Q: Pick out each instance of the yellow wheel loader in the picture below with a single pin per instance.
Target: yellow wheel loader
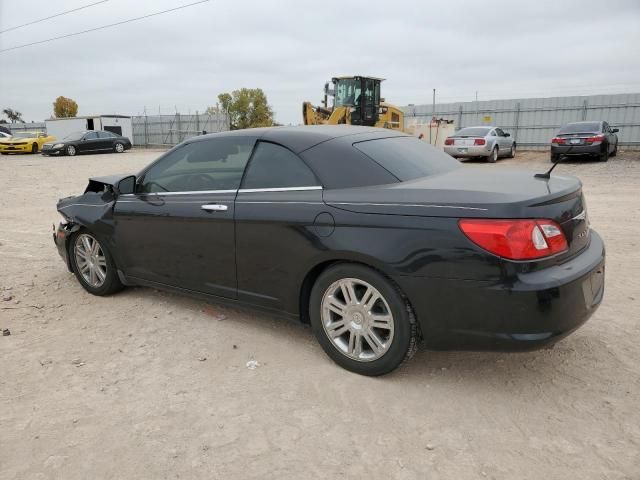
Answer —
(356, 101)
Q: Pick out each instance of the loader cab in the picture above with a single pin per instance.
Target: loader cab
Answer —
(361, 95)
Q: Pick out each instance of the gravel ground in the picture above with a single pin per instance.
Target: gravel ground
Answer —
(152, 385)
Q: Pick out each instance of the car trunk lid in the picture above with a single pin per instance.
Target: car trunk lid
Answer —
(472, 192)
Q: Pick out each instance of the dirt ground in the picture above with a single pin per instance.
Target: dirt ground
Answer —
(151, 385)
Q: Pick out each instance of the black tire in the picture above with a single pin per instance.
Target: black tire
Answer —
(404, 342)
(604, 156)
(111, 283)
(615, 151)
(71, 151)
(34, 148)
(512, 151)
(555, 158)
(118, 147)
(493, 157)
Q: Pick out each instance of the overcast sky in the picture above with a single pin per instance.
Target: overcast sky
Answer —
(184, 59)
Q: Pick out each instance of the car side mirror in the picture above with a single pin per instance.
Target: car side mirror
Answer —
(615, 130)
(127, 185)
(507, 134)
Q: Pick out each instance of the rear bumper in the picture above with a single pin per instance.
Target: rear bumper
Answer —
(577, 149)
(526, 312)
(467, 152)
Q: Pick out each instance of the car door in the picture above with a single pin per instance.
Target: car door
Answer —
(504, 143)
(492, 138)
(89, 142)
(611, 141)
(106, 140)
(276, 207)
(178, 228)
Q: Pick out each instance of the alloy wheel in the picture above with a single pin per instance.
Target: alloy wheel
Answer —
(71, 150)
(357, 319)
(119, 148)
(91, 260)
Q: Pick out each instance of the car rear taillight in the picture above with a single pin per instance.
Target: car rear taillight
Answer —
(558, 141)
(448, 141)
(516, 239)
(595, 138)
(479, 141)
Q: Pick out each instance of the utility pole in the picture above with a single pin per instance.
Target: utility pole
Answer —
(433, 116)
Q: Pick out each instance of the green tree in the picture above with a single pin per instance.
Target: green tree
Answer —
(246, 108)
(65, 107)
(13, 115)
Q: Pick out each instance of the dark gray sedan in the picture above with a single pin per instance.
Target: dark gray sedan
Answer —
(596, 139)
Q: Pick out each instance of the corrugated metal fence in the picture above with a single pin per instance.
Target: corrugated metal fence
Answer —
(534, 121)
(173, 129)
(26, 127)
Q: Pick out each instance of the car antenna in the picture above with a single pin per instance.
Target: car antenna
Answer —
(547, 175)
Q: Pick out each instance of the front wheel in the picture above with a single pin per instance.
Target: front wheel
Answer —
(512, 152)
(34, 148)
(361, 320)
(71, 150)
(93, 265)
(119, 147)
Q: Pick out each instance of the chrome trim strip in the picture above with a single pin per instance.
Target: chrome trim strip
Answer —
(283, 189)
(282, 202)
(581, 216)
(83, 205)
(407, 205)
(195, 192)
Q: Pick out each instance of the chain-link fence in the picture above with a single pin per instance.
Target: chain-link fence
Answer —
(168, 130)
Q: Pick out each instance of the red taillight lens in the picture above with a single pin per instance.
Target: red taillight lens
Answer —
(479, 141)
(558, 140)
(595, 138)
(448, 141)
(516, 239)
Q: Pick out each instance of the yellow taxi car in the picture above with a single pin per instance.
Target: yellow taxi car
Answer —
(24, 142)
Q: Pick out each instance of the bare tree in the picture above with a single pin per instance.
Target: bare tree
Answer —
(13, 115)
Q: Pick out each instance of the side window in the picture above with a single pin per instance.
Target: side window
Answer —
(499, 132)
(106, 134)
(492, 133)
(212, 164)
(273, 166)
(91, 136)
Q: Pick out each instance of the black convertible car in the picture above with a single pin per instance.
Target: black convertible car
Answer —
(375, 238)
(88, 141)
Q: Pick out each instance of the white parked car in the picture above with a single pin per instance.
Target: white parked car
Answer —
(480, 142)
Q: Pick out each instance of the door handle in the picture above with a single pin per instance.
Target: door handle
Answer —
(214, 207)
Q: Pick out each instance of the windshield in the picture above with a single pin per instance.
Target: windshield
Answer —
(473, 132)
(587, 127)
(74, 136)
(347, 92)
(25, 135)
(407, 158)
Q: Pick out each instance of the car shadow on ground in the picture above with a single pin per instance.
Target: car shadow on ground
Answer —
(511, 369)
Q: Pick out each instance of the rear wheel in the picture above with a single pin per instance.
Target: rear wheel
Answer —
(604, 156)
(93, 265)
(34, 148)
(615, 151)
(119, 147)
(361, 320)
(71, 150)
(493, 157)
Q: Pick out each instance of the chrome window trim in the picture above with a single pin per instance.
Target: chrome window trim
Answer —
(280, 189)
(192, 192)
